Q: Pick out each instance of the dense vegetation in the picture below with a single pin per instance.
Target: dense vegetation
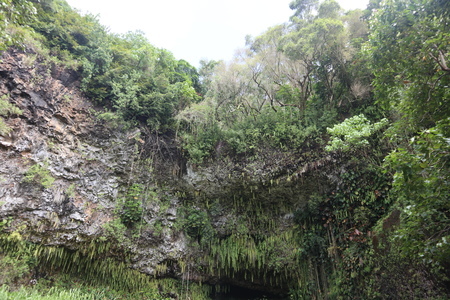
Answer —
(370, 88)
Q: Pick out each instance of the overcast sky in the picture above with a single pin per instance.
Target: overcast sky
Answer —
(195, 29)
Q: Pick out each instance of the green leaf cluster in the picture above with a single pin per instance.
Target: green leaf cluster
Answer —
(131, 212)
(7, 109)
(39, 174)
(14, 13)
(197, 225)
(353, 133)
(408, 47)
(422, 186)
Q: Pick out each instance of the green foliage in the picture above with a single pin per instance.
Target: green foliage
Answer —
(205, 74)
(123, 72)
(272, 258)
(197, 225)
(4, 129)
(279, 129)
(201, 144)
(249, 245)
(39, 174)
(12, 269)
(335, 230)
(303, 8)
(7, 109)
(14, 13)
(317, 44)
(93, 271)
(141, 82)
(185, 73)
(113, 120)
(131, 212)
(52, 294)
(409, 48)
(352, 134)
(422, 188)
(17, 259)
(102, 276)
(115, 230)
(409, 51)
(78, 292)
(70, 191)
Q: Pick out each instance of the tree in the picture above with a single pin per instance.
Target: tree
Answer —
(409, 51)
(303, 8)
(422, 188)
(14, 13)
(319, 45)
(268, 65)
(230, 91)
(185, 72)
(206, 73)
(409, 47)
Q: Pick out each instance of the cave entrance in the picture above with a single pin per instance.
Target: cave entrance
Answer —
(231, 292)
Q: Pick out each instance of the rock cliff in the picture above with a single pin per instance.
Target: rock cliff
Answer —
(64, 175)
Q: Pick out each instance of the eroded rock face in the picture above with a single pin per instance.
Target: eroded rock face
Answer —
(93, 166)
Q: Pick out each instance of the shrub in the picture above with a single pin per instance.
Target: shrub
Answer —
(40, 175)
(352, 133)
(197, 224)
(7, 109)
(12, 269)
(132, 208)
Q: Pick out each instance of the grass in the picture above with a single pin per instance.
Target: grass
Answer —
(54, 293)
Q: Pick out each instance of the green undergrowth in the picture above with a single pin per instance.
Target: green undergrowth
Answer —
(74, 293)
(7, 109)
(254, 243)
(271, 259)
(40, 175)
(96, 270)
(282, 130)
(313, 244)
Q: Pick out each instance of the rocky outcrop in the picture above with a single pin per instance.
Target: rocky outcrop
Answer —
(91, 166)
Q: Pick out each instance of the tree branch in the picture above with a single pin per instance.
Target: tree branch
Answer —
(441, 61)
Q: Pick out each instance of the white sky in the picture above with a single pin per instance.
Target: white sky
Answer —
(196, 29)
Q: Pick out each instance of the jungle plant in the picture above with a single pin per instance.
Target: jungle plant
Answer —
(116, 231)
(39, 174)
(7, 109)
(197, 224)
(70, 191)
(422, 188)
(353, 133)
(12, 269)
(14, 13)
(335, 229)
(409, 55)
(17, 259)
(131, 212)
